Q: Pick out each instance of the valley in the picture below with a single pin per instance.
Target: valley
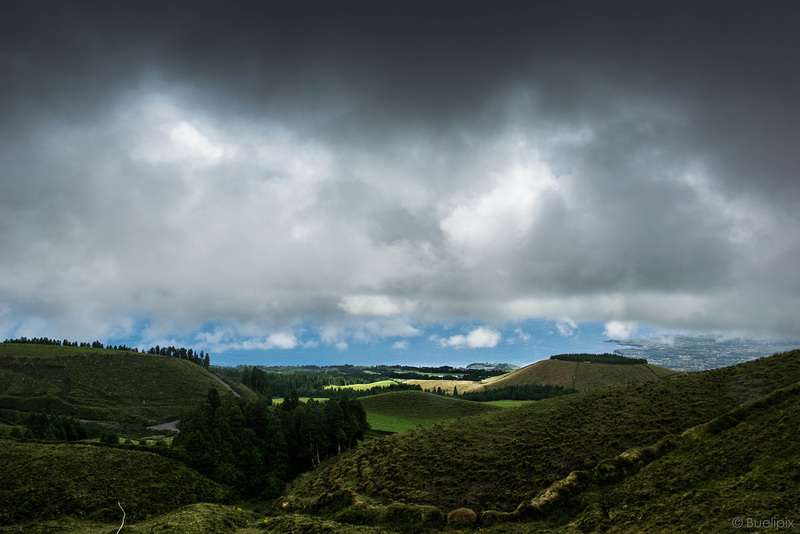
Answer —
(619, 451)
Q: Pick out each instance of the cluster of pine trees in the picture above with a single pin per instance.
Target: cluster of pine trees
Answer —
(66, 343)
(373, 390)
(257, 448)
(606, 358)
(200, 358)
(278, 385)
(50, 427)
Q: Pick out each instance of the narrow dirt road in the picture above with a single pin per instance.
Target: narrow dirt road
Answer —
(170, 425)
(224, 384)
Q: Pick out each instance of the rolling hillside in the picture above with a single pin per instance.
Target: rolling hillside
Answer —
(100, 384)
(43, 481)
(582, 376)
(402, 410)
(511, 465)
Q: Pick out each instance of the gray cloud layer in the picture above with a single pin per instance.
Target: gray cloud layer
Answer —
(269, 164)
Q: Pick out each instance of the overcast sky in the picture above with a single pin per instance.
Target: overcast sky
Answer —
(274, 175)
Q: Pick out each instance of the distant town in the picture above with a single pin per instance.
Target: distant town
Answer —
(688, 353)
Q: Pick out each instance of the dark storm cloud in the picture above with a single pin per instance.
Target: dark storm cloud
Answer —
(272, 162)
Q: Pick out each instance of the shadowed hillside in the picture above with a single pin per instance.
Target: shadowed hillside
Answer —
(100, 384)
(44, 481)
(501, 462)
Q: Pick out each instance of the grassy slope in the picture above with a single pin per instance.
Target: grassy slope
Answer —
(750, 470)
(579, 375)
(403, 410)
(500, 460)
(43, 481)
(100, 384)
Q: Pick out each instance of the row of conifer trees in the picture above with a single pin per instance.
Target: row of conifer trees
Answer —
(258, 448)
(200, 358)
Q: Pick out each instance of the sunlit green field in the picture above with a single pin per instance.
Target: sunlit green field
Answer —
(380, 384)
(508, 403)
(394, 423)
(403, 410)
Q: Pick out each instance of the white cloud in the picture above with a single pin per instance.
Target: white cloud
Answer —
(216, 200)
(497, 219)
(380, 305)
(400, 345)
(481, 337)
(225, 338)
(567, 327)
(620, 329)
(341, 345)
(522, 335)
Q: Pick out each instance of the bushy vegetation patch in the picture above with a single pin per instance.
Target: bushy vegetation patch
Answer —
(49, 427)
(462, 517)
(744, 466)
(304, 524)
(44, 481)
(202, 518)
(526, 392)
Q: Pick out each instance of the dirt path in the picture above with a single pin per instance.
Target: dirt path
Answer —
(170, 425)
(173, 425)
(224, 384)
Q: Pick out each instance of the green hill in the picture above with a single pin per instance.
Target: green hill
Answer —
(100, 384)
(582, 376)
(402, 410)
(722, 471)
(43, 481)
(579, 452)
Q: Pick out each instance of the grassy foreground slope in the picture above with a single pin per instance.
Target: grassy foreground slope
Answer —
(750, 470)
(402, 410)
(582, 376)
(43, 481)
(100, 384)
(500, 461)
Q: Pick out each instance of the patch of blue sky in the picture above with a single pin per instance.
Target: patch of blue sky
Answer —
(456, 343)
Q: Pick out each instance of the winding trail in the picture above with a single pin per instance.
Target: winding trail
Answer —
(173, 425)
(218, 379)
(169, 425)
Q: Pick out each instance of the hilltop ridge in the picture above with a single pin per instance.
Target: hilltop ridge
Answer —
(579, 375)
(101, 384)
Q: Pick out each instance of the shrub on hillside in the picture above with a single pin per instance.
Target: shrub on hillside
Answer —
(462, 517)
(109, 436)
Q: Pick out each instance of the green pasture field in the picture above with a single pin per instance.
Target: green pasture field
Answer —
(508, 403)
(395, 423)
(401, 410)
